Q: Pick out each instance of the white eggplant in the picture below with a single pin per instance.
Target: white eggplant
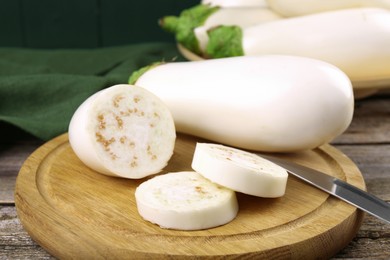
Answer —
(185, 201)
(265, 103)
(235, 3)
(190, 28)
(240, 170)
(290, 8)
(123, 131)
(355, 40)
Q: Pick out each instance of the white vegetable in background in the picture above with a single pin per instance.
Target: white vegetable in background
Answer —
(355, 40)
(185, 201)
(243, 17)
(235, 3)
(265, 103)
(123, 131)
(239, 170)
(190, 28)
(303, 7)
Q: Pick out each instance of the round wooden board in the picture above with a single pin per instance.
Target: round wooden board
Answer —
(74, 212)
(361, 89)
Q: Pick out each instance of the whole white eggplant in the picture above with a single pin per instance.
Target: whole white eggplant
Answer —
(290, 8)
(235, 3)
(355, 40)
(264, 103)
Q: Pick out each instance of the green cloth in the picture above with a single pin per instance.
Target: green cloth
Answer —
(41, 89)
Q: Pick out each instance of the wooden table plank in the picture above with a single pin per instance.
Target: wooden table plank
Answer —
(15, 243)
(15, 147)
(372, 160)
(370, 124)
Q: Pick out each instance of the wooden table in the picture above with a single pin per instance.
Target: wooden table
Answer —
(366, 142)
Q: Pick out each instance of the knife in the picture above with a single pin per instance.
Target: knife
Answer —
(336, 187)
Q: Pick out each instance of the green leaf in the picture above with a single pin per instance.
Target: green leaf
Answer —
(224, 41)
(184, 25)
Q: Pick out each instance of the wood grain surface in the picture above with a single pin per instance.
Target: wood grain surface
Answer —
(366, 142)
(92, 215)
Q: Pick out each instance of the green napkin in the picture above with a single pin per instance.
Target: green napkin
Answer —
(41, 89)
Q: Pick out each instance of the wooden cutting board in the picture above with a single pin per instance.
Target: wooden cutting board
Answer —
(74, 212)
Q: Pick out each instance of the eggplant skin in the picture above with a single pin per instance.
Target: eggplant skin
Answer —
(289, 8)
(273, 103)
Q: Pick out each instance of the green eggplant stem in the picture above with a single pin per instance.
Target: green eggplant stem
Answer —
(169, 23)
(183, 26)
(138, 73)
(224, 41)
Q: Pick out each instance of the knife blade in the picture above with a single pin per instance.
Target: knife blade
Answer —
(336, 187)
